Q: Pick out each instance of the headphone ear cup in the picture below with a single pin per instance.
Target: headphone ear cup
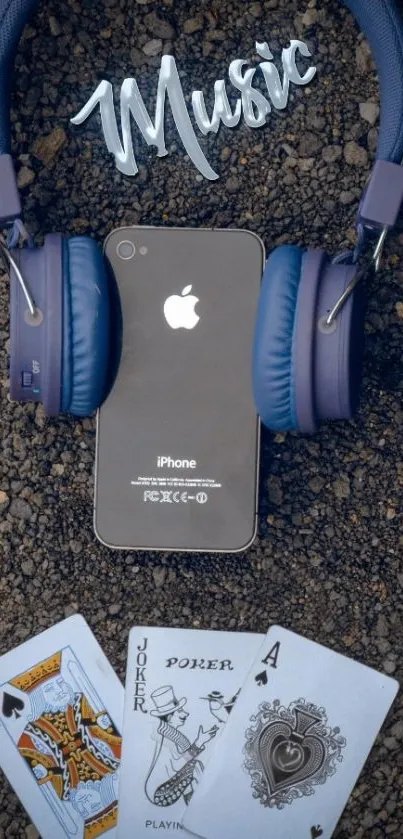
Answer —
(304, 371)
(37, 344)
(86, 326)
(273, 371)
(338, 353)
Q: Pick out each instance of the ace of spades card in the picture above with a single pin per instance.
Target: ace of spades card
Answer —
(181, 688)
(295, 744)
(60, 721)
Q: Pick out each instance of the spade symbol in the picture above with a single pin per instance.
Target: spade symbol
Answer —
(12, 705)
(316, 831)
(261, 678)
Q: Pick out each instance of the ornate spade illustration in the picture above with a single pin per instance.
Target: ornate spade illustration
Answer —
(290, 754)
(289, 751)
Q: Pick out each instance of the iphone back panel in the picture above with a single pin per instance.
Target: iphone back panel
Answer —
(178, 438)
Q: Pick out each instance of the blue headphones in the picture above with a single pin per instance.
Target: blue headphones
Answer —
(309, 330)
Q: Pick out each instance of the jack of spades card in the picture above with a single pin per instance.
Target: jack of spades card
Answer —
(56, 719)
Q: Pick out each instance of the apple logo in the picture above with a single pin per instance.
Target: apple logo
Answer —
(179, 310)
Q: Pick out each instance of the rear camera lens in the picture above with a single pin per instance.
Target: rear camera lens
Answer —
(126, 250)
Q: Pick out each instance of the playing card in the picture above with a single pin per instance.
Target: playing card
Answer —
(181, 687)
(61, 709)
(295, 745)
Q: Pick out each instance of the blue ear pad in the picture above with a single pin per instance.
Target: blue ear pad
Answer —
(273, 369)
(86, 326)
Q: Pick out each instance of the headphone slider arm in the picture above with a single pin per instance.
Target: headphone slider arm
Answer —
(10, 204)
(383, 196)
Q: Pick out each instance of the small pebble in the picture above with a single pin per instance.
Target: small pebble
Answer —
(193, 24)
(355, 155)
(27, 567)
(369, 111)
(25, 177)
(153, 47)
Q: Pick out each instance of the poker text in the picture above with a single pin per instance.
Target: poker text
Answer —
(200, 663)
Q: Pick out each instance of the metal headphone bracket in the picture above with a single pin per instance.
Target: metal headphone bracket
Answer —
(371, 264)
(379, 210)
(9, 262)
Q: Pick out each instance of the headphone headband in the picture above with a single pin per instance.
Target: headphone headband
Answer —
(380, 21)
(14, 14)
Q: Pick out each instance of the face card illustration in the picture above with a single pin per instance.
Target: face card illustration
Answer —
(181, 688)
(61, 714)
(296, 743)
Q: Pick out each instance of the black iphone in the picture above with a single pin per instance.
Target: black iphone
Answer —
(178, 436)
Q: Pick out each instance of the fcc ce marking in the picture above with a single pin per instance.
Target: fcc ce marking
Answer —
(173, 497)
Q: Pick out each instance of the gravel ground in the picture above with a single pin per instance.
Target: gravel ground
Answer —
(327, 561)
